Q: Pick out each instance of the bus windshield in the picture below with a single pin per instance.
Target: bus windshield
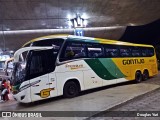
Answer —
(38, 62)
(19, 72)
(39, 59)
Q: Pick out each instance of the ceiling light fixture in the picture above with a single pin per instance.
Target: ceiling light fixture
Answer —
(77, 22)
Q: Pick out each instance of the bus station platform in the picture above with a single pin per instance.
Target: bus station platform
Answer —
(93, 100)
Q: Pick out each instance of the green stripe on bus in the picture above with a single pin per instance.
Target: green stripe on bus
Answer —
(105, 68)
(99, 69)
(112, 67)
(108, 64)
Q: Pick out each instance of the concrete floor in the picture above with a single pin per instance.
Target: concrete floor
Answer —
(136, 109)
(98, 100)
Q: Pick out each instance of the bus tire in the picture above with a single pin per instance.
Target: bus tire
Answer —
(138, 77)
(145, 75)
(71, 89)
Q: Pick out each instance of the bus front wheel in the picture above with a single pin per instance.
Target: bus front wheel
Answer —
(138, 77)
(70, 89)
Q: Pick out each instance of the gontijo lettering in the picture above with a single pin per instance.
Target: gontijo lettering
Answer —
(133, 61)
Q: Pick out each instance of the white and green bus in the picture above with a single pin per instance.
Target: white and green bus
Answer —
(65, 65)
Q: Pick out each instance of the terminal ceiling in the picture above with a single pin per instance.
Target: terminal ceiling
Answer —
(53, 14)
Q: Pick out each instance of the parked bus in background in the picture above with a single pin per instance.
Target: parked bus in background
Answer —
(8, 69)
(66, 65)
(3, 58)
(4, 55)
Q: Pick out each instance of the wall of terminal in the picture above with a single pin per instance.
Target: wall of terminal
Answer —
(13, 40)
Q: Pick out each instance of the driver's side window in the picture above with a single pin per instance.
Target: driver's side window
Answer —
(36, 64)
(41, 62)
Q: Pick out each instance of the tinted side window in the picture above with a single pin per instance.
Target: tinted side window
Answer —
(136, 52)
(147, 52)
(36, 66)
(125, 51)
(50, 59)
(144, 52)
(73, 50)
(111, 51)
(94, 50)
(41, 62)
(150, 52)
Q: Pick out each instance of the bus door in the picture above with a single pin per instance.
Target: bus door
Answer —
(40, 89)
(52, 84)
(42, 68)
(51, 56)
(38, 75)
